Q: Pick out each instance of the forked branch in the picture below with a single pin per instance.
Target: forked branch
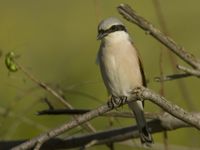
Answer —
(139, 93)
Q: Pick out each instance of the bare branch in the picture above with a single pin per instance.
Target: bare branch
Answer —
(44, 86)
(38, 146)
(156, 146)
(188, 72)
(128, 13)
(172, 77)
(139, 93)
(165, 122)
(167, 106)
(191, 71)
(66, 126)
(148, 115)
(63, 111)
(87, 125)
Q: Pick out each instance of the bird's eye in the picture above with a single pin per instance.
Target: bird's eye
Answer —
(114, 28)
(101, 31)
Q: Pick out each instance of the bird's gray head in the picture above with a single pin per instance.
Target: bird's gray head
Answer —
(109, 25)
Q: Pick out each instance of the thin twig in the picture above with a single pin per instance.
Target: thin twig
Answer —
(38, 146)
(87, 125)
(148, 115)
(90, 144)
(22, 118)
(44, 86)
(63, 111)
(189, 70)
(172, 77)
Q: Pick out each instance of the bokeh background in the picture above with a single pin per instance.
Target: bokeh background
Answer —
(56, 42)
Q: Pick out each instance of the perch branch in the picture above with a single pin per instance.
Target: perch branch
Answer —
(167, 106)
(162, 123)
(138, 93)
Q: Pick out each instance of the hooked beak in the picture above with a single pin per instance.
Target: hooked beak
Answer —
(101, 35)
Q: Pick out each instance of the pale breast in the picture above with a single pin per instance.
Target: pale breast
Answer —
(119, 67)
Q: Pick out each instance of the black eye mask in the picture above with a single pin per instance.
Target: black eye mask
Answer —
(103, 33)
(117, 28)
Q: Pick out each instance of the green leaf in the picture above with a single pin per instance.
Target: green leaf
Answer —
(9, 61)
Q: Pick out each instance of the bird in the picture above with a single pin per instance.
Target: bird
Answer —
(121, 69)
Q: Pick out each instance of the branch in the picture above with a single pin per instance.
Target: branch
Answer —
(63, 111)
(138, 93)
(128, 13)
(190, 71)
(156, 146)
(43, 85)
(167, 106)
(172, 77)
(162, 123)
(148, 115)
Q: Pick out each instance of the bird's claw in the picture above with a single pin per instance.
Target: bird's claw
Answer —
(116, 101)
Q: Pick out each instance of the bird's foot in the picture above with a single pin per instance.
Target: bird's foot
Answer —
(115, 102)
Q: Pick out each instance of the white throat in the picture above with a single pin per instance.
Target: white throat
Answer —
(118, 36)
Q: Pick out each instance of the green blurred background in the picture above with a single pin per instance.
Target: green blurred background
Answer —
(56, 42)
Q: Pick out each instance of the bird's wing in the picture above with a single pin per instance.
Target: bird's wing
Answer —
(141, 66)
(141, 69)
(142, 72)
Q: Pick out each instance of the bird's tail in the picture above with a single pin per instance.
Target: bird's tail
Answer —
(145, 136)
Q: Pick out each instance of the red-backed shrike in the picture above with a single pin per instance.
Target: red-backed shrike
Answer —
(121, 68)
